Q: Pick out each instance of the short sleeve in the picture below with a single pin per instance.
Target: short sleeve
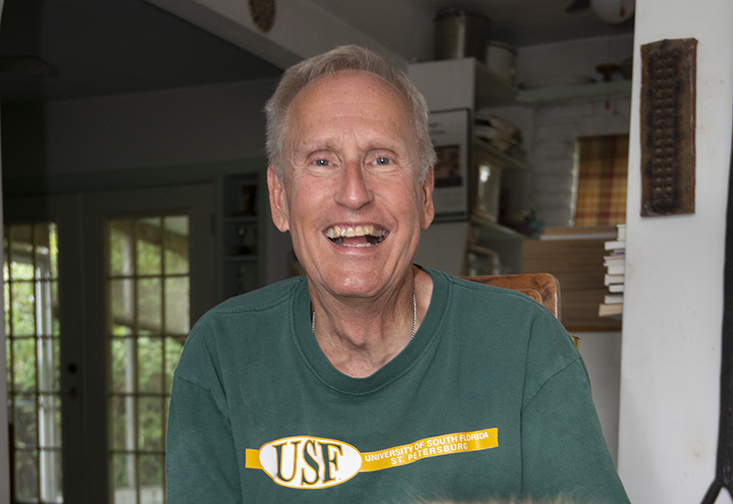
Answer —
(201, 461)
(201, 458)
(563, 448)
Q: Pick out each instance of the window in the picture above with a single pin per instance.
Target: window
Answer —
(148, 320)
(98, 305)
(32, 338)
(602, 169)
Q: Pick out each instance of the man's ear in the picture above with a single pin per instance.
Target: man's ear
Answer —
(278, 200)
(428, 210)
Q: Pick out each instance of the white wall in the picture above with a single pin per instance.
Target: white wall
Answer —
(572, 58)
(556, 128)
(550, 130)
(601, 353)
(674, 283)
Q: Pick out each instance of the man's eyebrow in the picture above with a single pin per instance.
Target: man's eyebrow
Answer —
(392, 147)
(332, 144)
(328, 144)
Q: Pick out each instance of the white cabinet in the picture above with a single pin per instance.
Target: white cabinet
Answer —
(558, 93)
(487, 246)
(460, 84)
(491, 247)
(466, 83)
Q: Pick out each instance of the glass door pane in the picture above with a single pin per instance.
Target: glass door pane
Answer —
(148, 320)
(110, 384)
(32, 337)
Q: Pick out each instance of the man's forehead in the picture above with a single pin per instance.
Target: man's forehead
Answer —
(367, 83)
(349, 92)
(319, 116)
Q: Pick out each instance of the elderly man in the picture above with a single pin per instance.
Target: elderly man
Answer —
(373, 379)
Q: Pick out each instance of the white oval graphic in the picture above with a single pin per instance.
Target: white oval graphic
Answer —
(309, 462)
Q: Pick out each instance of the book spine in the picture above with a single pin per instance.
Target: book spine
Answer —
(615, 263)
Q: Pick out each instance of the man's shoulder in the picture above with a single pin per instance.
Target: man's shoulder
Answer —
(260, 299)
(514, 312)
(468, 292)
(246, 314)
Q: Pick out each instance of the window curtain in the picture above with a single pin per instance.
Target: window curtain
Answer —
(602, 173)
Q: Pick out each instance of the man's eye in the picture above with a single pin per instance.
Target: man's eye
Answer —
(382, 161)
(321, 162)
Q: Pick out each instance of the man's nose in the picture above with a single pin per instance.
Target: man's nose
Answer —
(354, 192)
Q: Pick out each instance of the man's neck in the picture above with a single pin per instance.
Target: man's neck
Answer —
(360, 336)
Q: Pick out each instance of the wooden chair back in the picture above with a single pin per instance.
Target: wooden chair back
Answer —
(542, 287)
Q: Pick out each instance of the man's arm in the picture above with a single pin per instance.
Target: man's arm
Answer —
(564, 451)
(201, 460)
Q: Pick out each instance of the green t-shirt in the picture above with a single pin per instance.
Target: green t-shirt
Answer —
(489, 400)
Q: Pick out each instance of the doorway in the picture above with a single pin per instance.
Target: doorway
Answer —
(127, 273)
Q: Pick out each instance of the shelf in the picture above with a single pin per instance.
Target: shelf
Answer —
(557, 93)
(491, 89)
(508, 162)
(467, 83)
(496, 230)
(240, 233)
(505, 242)
(462, 83)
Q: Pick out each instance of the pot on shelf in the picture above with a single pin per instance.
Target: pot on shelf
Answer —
(460, 34)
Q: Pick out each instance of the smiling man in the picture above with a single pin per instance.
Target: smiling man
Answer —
(355, 198)
(372, 379)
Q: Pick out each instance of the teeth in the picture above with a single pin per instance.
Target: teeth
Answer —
(351, 232)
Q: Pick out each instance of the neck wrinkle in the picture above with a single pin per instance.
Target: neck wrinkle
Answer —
(355, 339)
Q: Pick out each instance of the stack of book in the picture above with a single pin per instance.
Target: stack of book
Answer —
(575, 257)
(615, 263)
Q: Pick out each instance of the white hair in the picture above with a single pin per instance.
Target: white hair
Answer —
(350, 57)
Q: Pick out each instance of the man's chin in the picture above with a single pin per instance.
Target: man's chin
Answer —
(355, 281)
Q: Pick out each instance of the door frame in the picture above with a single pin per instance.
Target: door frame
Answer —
(195, 200)
(81, 218)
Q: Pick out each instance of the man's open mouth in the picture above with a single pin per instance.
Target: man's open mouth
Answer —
(356, 236)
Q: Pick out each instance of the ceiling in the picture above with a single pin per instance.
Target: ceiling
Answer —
(406, 26)
(97, 48)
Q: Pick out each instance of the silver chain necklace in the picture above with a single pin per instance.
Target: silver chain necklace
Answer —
(414, 318)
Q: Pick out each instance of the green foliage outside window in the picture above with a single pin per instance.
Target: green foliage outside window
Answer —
(32, 359)
(148, 290)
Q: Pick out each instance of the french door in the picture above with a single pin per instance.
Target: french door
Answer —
(32, 333)
(133, 270)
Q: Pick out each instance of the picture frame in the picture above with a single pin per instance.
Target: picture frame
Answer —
(450, 133)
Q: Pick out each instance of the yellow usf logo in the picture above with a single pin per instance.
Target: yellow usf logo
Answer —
(313, 462)
(306, 462)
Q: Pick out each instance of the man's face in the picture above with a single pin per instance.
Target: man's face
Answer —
(352, 197)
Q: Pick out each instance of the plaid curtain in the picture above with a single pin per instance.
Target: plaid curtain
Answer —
(603, 167)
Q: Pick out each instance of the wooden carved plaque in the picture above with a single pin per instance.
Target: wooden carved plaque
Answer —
(263, 14)
(668, 127)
